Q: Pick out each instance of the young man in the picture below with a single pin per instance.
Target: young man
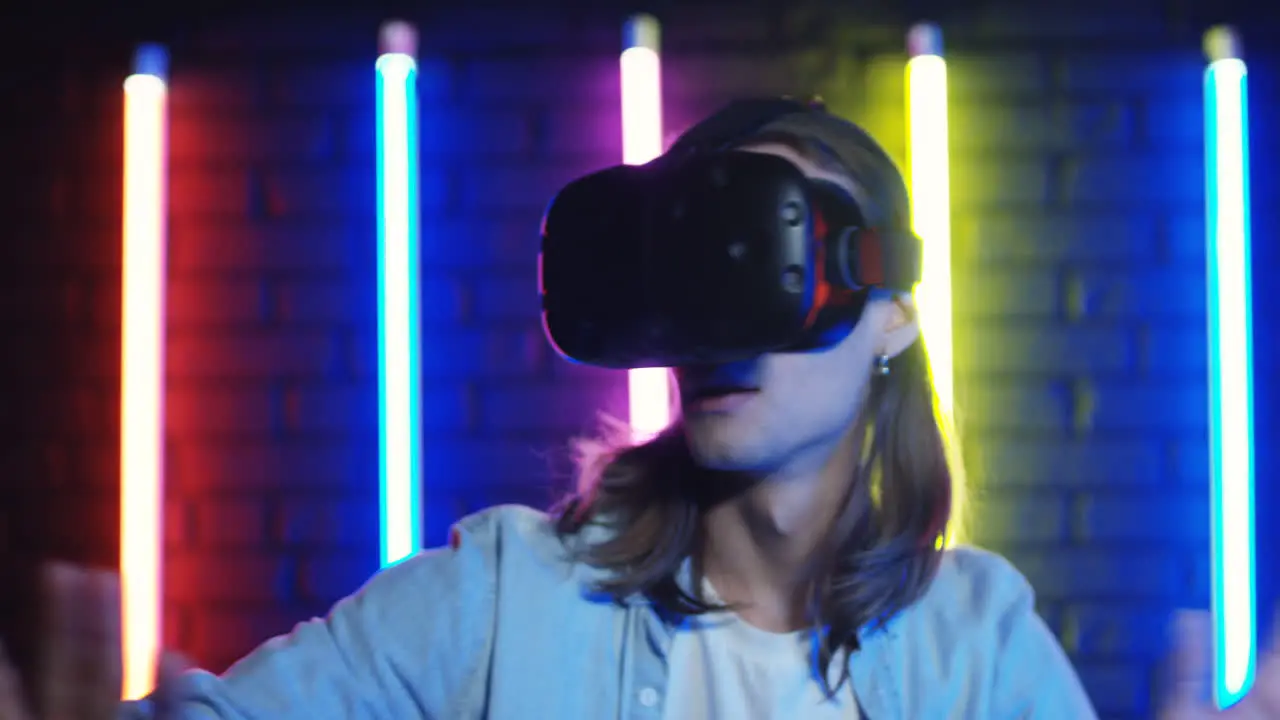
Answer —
(736, 566)
(775, 554)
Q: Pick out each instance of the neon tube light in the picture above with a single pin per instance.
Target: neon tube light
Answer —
(930, 175)
(399, 398)
(641, 67)
(142, 367)
(931, 198)
(1228, 286)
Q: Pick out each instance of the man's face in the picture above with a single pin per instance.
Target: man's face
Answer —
(779, 410)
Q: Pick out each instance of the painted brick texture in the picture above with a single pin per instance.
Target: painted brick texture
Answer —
(1079, 298)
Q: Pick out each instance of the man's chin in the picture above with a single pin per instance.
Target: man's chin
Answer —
(721, 451)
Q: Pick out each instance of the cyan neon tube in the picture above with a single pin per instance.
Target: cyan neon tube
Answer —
(1228, 284)
(399, 394)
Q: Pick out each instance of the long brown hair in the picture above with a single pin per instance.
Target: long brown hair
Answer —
(889, 537)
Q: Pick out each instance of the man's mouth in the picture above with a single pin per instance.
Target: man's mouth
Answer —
(714, 391)
(719, 398)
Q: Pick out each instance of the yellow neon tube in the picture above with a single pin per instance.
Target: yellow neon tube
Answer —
(929, 171)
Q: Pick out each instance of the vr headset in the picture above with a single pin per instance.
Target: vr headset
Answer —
(710, 255)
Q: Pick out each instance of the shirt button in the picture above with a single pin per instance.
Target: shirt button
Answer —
(648, 697)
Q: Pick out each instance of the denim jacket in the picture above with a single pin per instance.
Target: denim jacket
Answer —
(497, 625)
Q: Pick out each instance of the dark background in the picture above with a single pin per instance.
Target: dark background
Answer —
(1078, 191)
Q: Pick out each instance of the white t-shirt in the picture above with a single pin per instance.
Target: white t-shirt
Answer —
(723, 668)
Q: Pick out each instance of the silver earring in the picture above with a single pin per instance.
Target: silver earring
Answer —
(882, 365)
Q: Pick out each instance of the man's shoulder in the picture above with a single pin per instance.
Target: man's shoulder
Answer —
(509, 528)
(522, 520)
(975, 588)
(504, 541)
(983, 574)
(515, 536)
(978, 623)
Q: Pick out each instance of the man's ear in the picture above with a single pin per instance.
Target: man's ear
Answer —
(901, 325)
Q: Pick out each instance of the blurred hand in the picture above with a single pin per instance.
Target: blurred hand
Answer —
(13, 706)
(81, 673)
(1191, 696)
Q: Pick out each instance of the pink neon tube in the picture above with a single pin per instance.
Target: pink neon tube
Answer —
(648, 388)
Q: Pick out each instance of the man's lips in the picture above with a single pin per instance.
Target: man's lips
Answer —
(720, 399)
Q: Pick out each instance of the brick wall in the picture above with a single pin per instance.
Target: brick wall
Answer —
(1077, 189)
